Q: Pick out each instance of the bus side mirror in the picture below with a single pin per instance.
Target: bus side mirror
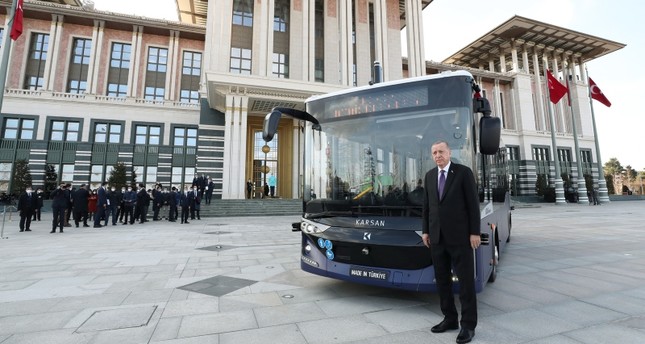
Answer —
(490, 129)
(482, 105)
(271, 121)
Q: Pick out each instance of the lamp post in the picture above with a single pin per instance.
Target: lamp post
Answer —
(265, 169)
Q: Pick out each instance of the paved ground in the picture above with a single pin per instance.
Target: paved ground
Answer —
(572, 274)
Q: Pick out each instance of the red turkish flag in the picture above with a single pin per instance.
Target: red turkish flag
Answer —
(597, 94)
(16, 28)
(556, 89)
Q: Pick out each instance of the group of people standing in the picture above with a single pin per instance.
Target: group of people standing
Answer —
(126, 205)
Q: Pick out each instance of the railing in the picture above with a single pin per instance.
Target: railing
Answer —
(4, 217)
(100, 98)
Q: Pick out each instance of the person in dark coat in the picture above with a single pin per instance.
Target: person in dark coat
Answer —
(129, 201)
(172, 205)
(143, 200)
(39, 207)
(27, 203)
(80, 205)
(112, 208)
(157, 202)
(209, 190)
(249, 189)
(101, 205)
(186, 198)
(60, 201)
(451, 229)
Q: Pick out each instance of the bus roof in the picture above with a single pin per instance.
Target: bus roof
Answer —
(391, 83)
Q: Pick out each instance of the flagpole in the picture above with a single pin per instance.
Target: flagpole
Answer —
(603, 193)
(559, 187)
(582, 187)
(6, 49)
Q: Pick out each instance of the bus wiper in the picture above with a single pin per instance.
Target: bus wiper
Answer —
(325, 214)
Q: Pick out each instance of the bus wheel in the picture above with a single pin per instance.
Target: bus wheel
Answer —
(493, 274)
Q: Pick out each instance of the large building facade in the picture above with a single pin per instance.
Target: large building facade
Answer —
(87, 89)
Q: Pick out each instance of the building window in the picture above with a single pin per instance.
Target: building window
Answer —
(107, 132)
(281, 65)
(320, 70)
(96, 175)
(240, 61)
(119, 68)
(19, 128)
(151, 175)
(541, 154)
(354, 75)
(182, 175)
(65, 131)
(35, 69)
(79, 65)
(155, 85)
(191, 71)
(147, 135)
(243, 13)
(186, 137)
(585, 156)
(67, 174)
(513, 153)
(564, 154)
(281, 15)
(5, 175)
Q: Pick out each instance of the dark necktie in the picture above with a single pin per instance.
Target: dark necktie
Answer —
(442, 183)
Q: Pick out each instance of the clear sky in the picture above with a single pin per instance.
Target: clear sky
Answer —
(452, 24)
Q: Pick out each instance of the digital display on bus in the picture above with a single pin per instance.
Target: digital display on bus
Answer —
(379, 100)
(419, 95)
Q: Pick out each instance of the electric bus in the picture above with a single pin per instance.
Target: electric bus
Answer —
(366, 152)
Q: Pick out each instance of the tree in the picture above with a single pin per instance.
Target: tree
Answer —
(609, 179)
(21, 177)
(118, 177)
(614, 169)
(51, 179)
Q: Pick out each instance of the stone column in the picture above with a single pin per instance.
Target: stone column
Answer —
(235, 149)
(135, 61)
(95, 54)
(55, 35)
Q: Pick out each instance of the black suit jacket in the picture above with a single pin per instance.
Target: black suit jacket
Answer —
(27, 203)
(79, 197)
(451, 220)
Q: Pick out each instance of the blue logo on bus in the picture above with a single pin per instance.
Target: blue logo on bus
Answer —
(330, 255)
(321, 242)
(328, 245)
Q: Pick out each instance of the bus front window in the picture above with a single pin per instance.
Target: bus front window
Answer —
(371, 162)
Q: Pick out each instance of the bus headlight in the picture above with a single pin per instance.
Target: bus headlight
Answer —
(312, 228)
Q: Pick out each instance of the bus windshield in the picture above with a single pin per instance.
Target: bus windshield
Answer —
(373, 161)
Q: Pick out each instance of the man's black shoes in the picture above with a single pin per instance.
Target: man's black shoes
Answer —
(465, 336)
(444, 326)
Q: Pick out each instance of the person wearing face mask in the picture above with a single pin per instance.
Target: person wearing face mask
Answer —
(26, 205)
(112, 207)
(129, 199)
(193, 201)
(143, 199)
(39, 207)
(80, 199)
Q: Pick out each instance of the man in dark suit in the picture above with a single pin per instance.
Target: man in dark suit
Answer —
(451, 221)
(60, 202)
(101, 205)
(79, 198)
(27, 203)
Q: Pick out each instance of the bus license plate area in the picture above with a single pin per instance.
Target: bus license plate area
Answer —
(374, 274)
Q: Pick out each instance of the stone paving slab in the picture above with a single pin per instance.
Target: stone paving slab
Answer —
(571, 274)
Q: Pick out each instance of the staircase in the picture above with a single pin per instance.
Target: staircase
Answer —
(251, 207)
